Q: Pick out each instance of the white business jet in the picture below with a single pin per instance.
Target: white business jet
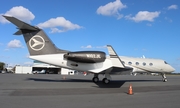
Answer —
(41, 48)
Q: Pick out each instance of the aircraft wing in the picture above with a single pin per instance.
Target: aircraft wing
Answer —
(116, 61)
(20, 25)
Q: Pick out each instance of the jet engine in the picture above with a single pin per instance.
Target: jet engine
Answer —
(86, 56)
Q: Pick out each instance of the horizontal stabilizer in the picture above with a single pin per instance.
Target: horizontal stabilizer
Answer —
(21, 25)
(19, 32)
(116, 61)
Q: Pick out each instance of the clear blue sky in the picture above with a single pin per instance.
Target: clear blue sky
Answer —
(133, 27)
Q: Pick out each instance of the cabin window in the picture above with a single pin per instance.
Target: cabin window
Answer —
(144, 64)
(130, 63)
(150, 64)
(137, 63)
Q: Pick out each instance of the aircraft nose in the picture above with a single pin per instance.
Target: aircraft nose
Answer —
(171, 69)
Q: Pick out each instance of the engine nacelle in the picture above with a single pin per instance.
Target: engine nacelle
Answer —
(86, 56)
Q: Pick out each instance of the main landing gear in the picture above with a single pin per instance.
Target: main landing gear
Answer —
(164, 77)
(95, 79)
(105, 80)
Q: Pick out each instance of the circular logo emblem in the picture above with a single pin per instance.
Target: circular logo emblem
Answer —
(36, 43)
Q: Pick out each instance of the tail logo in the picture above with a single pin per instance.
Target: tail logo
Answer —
(36, 43)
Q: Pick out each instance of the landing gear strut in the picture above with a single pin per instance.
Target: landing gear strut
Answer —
(164, 77)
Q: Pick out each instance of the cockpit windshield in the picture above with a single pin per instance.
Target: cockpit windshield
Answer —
(165, 62)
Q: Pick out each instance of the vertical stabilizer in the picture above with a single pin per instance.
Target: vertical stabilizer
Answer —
(37, 41)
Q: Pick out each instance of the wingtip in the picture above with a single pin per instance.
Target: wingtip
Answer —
(6, 16)
(109, 46)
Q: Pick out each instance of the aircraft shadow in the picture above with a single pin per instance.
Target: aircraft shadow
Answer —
(113, 83)
(60, 80)
(119, 83)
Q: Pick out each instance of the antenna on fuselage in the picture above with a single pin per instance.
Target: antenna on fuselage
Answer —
(143, 56)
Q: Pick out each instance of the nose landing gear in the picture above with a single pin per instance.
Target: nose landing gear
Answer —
(164, 77)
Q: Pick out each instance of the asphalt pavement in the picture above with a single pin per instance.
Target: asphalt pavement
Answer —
(78, 91)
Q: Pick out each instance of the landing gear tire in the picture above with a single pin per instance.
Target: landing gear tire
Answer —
(164, 77)
(95, 79)
(165, 80)
(106, 81)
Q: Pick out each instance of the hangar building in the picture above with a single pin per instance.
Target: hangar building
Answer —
(39, 67)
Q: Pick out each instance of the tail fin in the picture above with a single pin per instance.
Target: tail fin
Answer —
(116, 61)
(37, 41)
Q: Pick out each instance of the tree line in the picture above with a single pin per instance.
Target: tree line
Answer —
(2, 65)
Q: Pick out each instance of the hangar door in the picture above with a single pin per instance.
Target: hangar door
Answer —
(47, 70)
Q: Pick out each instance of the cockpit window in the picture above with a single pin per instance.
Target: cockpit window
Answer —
(165, 62)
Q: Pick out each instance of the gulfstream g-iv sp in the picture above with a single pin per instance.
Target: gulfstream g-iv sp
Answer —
(41, 48)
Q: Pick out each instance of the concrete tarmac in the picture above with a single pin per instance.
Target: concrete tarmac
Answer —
(78, 91)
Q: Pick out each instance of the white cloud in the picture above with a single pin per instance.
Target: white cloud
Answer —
(19, 12)
(88, 46)
(144, 16)
(172, 7)
(15, 44)
(111, 9)
(101, 47)
(148, 24)
(61, 22)
(168, 19)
